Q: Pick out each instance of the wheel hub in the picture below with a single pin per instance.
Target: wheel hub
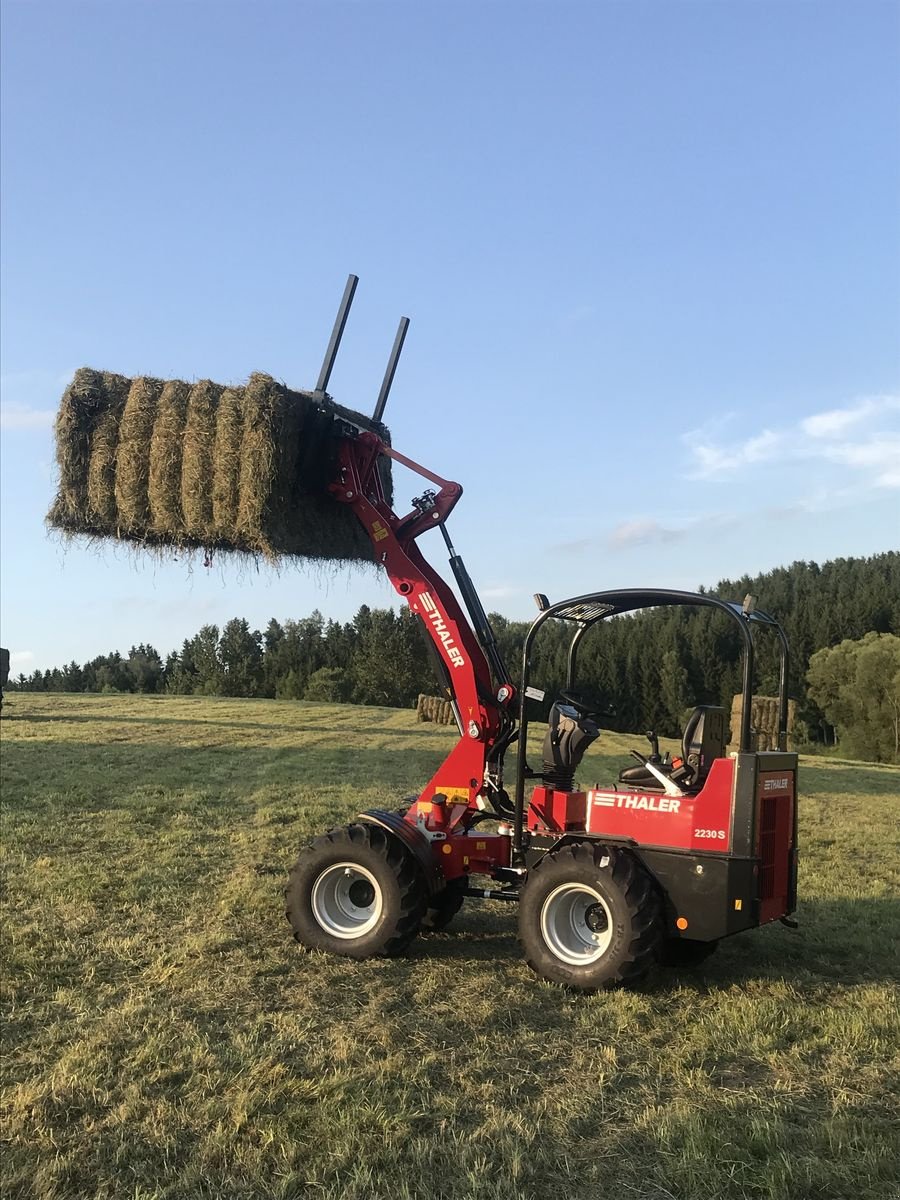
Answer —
(347, 901)
(576, 924)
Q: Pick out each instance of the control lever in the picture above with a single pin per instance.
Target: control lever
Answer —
(669, 787)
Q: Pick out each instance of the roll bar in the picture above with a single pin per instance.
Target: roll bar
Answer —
(586, 611)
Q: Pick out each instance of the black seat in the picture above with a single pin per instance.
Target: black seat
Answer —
(703, 741)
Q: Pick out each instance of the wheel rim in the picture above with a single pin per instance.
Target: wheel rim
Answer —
(347, 900)
(576, 924)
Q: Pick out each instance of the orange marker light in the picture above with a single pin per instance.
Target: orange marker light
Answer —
(681, 923)
(448, 849)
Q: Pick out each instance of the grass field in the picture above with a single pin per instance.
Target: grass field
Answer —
(165, 1038)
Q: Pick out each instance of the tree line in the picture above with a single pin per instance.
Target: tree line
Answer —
(647, 668)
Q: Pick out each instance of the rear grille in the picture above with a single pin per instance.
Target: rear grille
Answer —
(768, 842)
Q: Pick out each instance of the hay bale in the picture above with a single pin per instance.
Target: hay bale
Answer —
(763, 721)
(132, 473)
(242, 469)
(226, 452)
(166, 451)
(435, 709)
(197, 461)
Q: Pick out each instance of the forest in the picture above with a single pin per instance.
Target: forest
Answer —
(646, 668)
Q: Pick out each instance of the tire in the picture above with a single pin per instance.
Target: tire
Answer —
(590, 918)
(356, 892)
(444, 906)
(684, 953)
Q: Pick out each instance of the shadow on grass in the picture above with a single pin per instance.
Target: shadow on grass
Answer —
(839, 941)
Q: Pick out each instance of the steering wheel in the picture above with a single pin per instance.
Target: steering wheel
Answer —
(586, 706)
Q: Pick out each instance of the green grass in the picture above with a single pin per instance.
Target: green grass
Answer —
(166, 1038)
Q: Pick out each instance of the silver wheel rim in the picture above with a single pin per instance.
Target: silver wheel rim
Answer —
(347, 900)
(576, 924)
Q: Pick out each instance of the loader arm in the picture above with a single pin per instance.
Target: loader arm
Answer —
(482, 699)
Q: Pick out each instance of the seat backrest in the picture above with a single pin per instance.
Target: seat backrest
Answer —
(704, 740)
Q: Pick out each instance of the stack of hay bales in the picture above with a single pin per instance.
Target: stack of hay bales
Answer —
(436, 709)
(173, 464)
(763, 721)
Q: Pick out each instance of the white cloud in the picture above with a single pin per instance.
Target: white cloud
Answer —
(21, 658)
(28, 399)
(836, 421)
(864, 436)
(641, 532)
(14, 415)
(880, 455)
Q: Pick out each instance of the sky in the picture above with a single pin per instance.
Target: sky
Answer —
(650, 253)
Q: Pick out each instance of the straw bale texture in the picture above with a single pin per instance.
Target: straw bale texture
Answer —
(763, 721)
(200, 465)
(436, 709)
(166, 451)
(132, 475)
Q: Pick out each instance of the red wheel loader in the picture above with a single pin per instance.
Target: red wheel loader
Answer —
(657, 866)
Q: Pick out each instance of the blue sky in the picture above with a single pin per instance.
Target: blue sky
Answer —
(651, 254)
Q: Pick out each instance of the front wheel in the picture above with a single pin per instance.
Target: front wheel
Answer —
(357, 892)
(590, 917)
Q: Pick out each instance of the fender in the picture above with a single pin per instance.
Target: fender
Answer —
(413, 839)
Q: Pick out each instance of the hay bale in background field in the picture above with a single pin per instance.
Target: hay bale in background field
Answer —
(763, 721)
(436, 709)
(242, 469)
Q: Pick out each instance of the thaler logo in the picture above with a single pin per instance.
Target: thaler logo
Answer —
(776, 785)
(440, 628)
(665, 804)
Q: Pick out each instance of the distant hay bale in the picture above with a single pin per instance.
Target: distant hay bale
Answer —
(763, 721)
(243, 469)
(436, 709)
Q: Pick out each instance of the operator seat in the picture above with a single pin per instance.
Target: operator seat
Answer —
(703, 741)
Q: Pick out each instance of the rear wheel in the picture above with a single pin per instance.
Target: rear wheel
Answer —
(590, 917)
(356, 891)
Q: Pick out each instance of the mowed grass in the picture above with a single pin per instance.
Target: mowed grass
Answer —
(166, 1038)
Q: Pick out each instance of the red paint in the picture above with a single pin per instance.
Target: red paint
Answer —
(555, 812)
(678, 822)
(393, 540)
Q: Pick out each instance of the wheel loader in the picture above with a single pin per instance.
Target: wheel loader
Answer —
(656, 866)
